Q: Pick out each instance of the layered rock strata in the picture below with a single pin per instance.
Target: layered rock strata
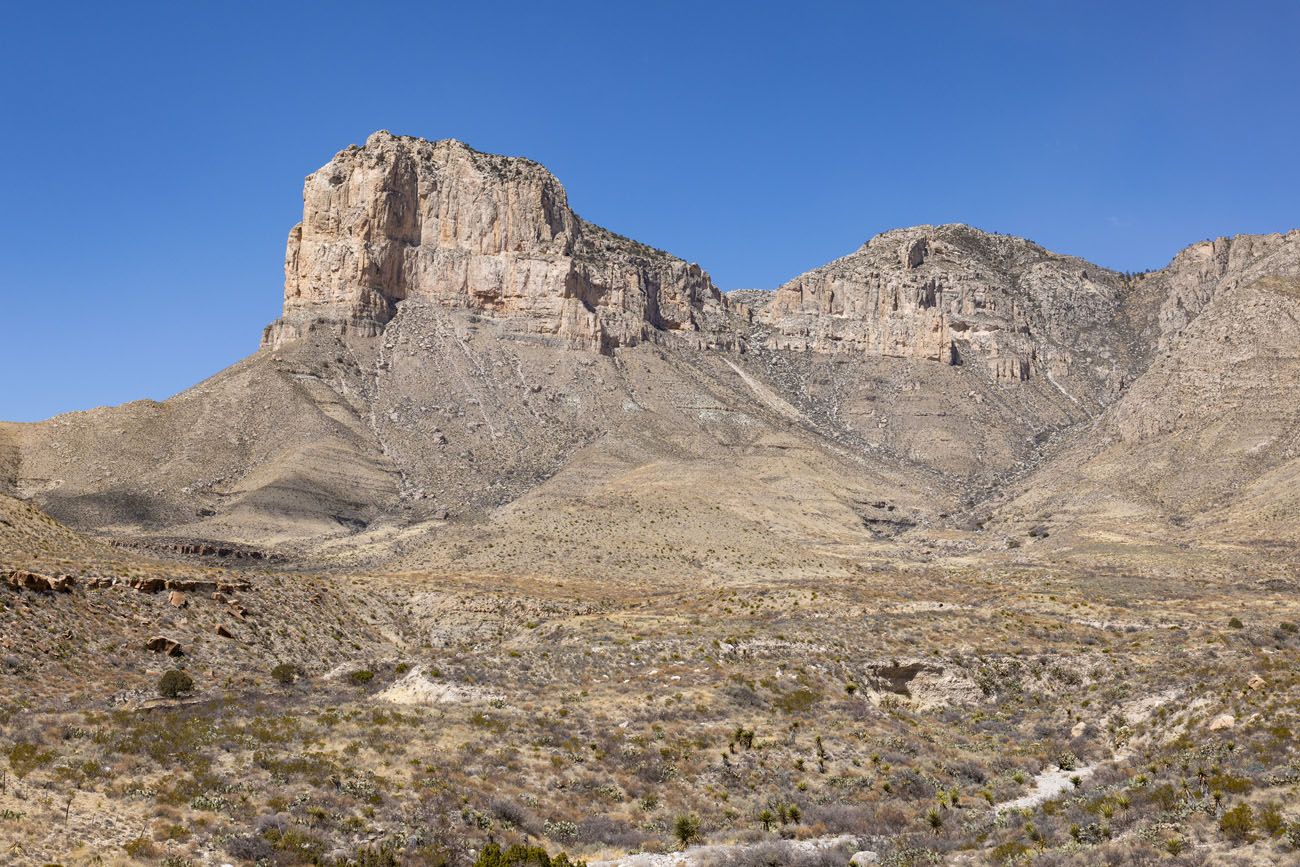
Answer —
(408, 218)
(959, 296)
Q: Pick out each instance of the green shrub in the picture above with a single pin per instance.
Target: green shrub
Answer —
(140, 847)
(1271, 821)
(1009, 851)
(174, 682)
(1238, 824)
(491, 855)
(1235, 623)
(25, 758)
(797, 701)
(374, 857)
(285, 673)
(361, 677)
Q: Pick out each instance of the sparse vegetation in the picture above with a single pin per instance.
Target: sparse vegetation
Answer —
(174, 683)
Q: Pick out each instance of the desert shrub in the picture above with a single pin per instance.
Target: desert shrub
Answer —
(373, 856)
(842, 818)
(25, 758)
(140, 847)
(1009, 851)
(1271, 821)
(285, 673)
(174, 682)
(249, 848)
(610, 832)
(743, 695)
(296, 842)
(797, 701)
(1164, 796)
(515, 814)
(491, 855)
(1238, 824)
(1235, 623)
(779, 853)
(1230, 783)
(361, 677)
(686, 828)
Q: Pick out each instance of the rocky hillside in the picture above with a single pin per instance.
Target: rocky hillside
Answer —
(461, 355)
(1206, 444)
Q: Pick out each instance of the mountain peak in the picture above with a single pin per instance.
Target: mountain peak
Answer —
(405, 218)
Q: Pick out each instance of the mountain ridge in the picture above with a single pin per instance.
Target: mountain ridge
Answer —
(455, 337)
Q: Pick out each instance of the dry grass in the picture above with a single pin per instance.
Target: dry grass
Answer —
(591, 714)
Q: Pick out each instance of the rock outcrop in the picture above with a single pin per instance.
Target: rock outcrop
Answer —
(1205, 440)
(409, 218)
(1178, 293)
(25, 580)
(955, 295)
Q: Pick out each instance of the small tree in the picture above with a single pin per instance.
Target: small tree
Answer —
(686, 829)
(174, 682)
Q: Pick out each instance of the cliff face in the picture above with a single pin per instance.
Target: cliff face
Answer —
(1165, 302)
(959, 296)
(408, 218)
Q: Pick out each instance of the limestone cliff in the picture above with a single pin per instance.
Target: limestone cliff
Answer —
(1165, 302)
(407, 218)
(956, 295)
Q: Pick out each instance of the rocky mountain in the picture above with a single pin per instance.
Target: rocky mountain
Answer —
(461, 355)
(515, 531)
(1205, 445)
(959, 296)
(404, 218)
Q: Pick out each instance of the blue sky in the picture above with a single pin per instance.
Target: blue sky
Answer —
(156, 150)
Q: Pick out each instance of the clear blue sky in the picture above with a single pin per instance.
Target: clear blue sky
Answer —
(156, 150)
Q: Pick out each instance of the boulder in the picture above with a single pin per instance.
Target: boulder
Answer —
(1223, 722)
(162, 644)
